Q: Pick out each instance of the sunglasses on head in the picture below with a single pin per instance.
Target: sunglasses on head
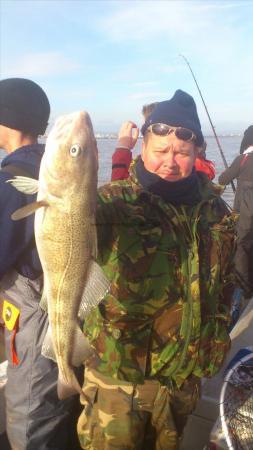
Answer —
(161, 129)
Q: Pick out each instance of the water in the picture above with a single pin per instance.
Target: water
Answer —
(230, 147)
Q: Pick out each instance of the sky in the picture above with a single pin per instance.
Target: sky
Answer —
(111, 57)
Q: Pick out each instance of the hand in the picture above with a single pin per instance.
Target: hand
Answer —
(128, 135)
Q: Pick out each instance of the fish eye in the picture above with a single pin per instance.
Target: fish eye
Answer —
(75, 150)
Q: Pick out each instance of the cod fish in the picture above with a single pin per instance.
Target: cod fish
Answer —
(65, 234)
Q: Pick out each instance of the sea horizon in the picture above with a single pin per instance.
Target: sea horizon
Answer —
(230, 146)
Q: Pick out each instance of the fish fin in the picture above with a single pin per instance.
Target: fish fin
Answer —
(26, 185)
(27, 210)
(96, 287)
(64, 389)
(47, 348)
(81, 348)
(44, 295)
(43, 300)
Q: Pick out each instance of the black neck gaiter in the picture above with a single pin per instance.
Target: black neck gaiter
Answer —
(182, 192)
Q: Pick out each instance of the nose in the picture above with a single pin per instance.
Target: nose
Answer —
(170, 159)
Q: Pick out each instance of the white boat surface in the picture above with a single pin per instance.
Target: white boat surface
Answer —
(203, 429)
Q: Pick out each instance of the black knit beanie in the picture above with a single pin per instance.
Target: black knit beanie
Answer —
(24, 106)
(179, 111)
(247, 139)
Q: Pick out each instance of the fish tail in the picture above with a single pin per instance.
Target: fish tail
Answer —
(69, 387)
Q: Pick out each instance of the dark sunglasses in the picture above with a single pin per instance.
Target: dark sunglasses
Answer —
(161, 129)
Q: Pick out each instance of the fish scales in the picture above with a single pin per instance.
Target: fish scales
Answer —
(65, 266)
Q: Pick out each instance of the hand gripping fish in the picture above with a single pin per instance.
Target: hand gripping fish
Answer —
(65, 234)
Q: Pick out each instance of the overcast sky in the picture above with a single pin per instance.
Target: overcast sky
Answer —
(111, 57)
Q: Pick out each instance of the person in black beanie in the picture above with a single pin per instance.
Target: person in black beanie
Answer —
(165, 242)
(179, 111)
(129, 134)
(36, 419)
(242, 170)
(24, 106)
(247, 139)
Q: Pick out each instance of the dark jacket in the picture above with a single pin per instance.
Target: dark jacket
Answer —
(242, 169)
(17, 243)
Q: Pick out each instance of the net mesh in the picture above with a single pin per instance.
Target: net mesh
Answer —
(238, 405)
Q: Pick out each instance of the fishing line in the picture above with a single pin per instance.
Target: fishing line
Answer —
(208, 115)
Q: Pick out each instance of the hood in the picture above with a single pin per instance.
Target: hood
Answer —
(27, 158)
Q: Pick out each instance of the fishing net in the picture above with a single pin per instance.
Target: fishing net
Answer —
(236, 405)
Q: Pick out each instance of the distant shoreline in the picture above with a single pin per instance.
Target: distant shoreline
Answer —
(114, 136)
(105, 136)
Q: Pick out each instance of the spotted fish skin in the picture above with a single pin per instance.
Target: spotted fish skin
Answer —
(65, 229)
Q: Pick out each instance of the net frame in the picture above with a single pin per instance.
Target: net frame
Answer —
(246, 361)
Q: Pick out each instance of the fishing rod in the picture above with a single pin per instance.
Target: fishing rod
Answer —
(211, 123)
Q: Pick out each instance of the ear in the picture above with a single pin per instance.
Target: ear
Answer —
(198, 151)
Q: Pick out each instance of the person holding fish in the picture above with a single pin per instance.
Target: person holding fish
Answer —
(36, 418)
(165, 242)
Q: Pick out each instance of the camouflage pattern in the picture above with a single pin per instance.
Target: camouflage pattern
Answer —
(125, 416)
(168, 310)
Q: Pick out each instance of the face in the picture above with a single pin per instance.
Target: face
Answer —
(168, 157)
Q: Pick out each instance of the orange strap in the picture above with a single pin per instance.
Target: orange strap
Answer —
(10, 315)
(14, 354)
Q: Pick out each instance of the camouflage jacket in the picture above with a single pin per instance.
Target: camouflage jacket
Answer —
(168, 310)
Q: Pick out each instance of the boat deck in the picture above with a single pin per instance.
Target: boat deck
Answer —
(203, 426)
